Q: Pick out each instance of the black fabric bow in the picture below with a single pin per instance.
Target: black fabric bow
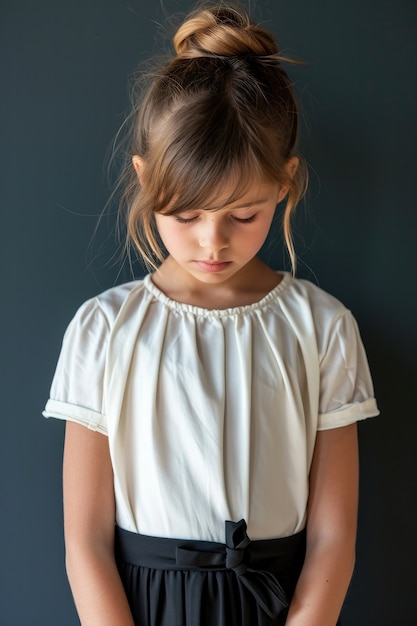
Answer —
(263, 585)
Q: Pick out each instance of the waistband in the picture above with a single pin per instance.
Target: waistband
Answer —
(261, 565)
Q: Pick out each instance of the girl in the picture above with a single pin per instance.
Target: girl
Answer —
(211, 463)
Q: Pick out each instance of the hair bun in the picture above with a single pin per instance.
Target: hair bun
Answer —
(222, 31)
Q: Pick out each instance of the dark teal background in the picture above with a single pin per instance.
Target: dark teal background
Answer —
(64, 73)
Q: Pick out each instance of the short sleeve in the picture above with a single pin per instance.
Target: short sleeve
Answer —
(77, 387)
(346, 389)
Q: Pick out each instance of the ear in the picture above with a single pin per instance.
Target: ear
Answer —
(139, 165)
(291, 167)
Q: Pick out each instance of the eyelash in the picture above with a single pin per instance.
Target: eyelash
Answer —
(241, 220)
(245, 220)
(183, 220)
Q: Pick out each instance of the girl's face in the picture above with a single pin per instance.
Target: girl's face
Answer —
(215, 246)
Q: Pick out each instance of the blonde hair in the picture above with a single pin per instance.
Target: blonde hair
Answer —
(222, 109)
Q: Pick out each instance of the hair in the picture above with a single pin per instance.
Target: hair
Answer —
(222, 109)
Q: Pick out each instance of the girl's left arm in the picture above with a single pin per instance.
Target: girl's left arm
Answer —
(331, 530)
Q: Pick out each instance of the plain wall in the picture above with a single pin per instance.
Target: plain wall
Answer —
(64, 74)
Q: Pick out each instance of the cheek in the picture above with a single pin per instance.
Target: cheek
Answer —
(259, 234)
(162, 231)
(170, 233)
(161, 226)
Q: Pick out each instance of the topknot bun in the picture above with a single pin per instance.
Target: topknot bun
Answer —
(222, 31)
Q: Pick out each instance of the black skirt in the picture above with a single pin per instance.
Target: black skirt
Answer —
(174, 582)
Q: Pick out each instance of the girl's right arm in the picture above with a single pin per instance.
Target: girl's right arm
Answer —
(89, 522)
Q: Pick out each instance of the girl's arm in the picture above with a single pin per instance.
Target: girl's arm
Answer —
(331, 530)
(89, 520)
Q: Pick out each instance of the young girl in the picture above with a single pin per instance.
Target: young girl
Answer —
(211, 463)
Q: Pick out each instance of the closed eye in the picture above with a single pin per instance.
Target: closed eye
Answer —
(185, 220)
(244, 220)
(188, 220)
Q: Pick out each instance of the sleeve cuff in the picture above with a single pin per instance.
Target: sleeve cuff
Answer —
(73, 413)
(348, 414)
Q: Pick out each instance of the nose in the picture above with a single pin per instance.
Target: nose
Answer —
(213, 235)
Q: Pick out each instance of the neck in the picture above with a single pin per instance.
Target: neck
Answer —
(247, 286)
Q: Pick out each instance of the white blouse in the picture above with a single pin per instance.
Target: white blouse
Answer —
(212, 415)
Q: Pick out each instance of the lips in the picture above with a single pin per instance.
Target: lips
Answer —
(213, 266)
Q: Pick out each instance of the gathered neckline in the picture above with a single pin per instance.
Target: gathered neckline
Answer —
(205, 312)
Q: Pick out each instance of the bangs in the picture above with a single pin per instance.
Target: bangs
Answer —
(197, 163)
(208, 192)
